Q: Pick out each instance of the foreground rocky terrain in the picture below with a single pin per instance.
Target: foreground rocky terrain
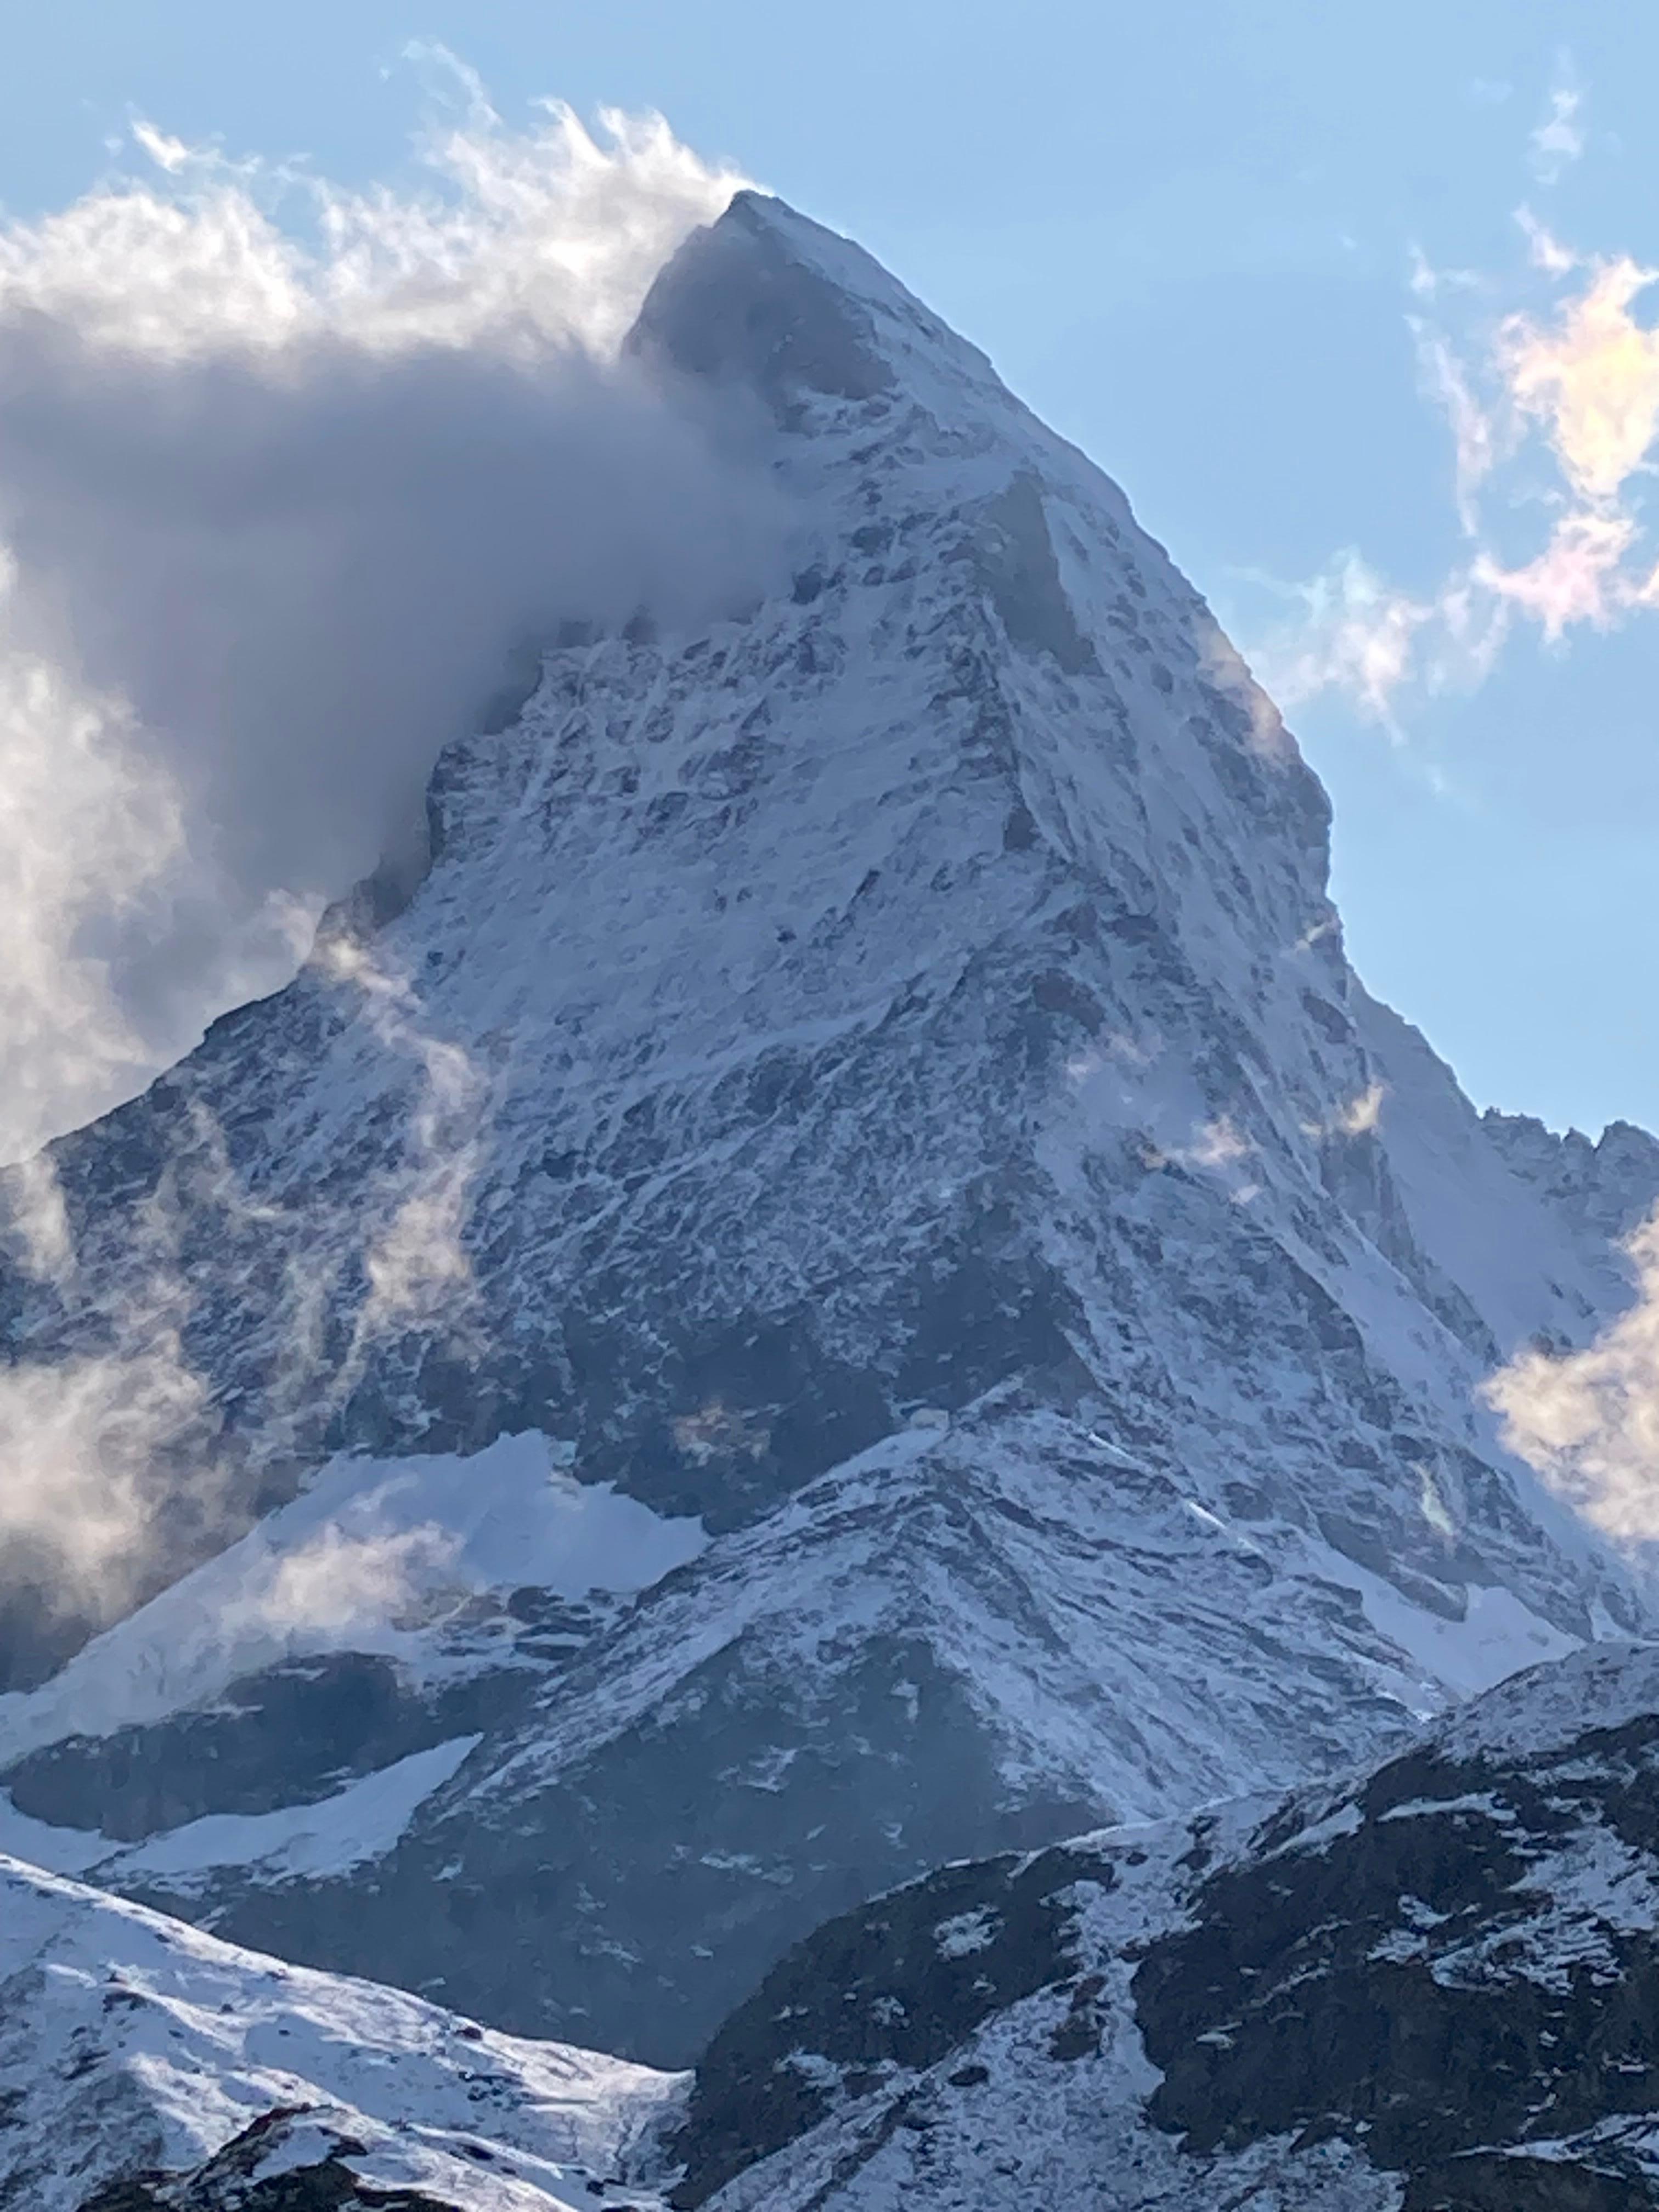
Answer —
(1432, 1986)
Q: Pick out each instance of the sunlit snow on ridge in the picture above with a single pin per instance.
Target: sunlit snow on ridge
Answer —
(361, 1822)
(146, 2036)
(371, 1550)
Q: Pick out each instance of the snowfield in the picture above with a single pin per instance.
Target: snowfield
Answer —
(133, 2045)
(370, 1556)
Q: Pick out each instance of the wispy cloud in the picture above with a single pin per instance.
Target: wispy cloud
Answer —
(1552, 403)
(415, 1261)
(1576, 579)
(1559, 140)
(1587, 1421)
(1346, 630)
(342, 1579)
(168, 154)
(1544, 249)
(95, 1452)
(115, 1466)
(1447, 383)
(1361, 1114)
(1357, 1117)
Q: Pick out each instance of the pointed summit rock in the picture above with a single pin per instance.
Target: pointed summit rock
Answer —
(876, 1085)
(749, 300)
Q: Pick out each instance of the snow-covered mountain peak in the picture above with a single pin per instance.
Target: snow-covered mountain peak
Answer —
(1100, 718)
(877, 1084)
(768, 298)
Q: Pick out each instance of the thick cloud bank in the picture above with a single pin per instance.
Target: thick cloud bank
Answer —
(288, 480)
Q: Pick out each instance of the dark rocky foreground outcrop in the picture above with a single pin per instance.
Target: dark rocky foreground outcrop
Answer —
(1433, 1989)
(233, 2176)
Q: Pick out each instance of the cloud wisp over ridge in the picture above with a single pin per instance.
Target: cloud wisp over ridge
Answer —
(1587, 1421)
(288, 476)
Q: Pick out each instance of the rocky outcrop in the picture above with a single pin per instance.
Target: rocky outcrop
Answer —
(1435, 1986)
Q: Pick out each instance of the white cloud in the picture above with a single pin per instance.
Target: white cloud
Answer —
(1350, 632)
(416, 1262)
(36, 1221)
(1215, 1146)
(344, 1579)
(93, 1453)
(1425, 281)
(168, 154)
(1588, 1421)
(1553, 408)
(1574, 579)
(282, 500)
(1446, 381)
(1590, 378)
(1355, 1117)
(72, 783)
(1559, 140)
(1362, 1112)
(1219, 1144)
(1544, 249)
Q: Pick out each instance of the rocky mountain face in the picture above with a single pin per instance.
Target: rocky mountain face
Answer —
(1434, 1988)
(851, 1282)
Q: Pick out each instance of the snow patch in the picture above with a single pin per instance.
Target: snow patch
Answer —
(372, 1552)
(966, 1933)
(361, 1822)
(1497, 1636)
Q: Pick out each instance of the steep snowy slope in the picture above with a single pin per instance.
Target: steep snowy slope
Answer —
(877, 1085)
(1431, 1989)
(142, 2065)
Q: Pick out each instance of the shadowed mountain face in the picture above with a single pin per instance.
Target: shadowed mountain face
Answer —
(878, 1078)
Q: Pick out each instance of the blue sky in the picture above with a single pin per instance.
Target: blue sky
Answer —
(1231, 249)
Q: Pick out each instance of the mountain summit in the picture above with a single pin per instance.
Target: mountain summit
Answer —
(853, 1282)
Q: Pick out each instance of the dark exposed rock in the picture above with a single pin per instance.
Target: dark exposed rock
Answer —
(229, 2181)
(1433, 1989)
(1486, 2182)
(1287, 2006)
(898, 1983)
(735, 307)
